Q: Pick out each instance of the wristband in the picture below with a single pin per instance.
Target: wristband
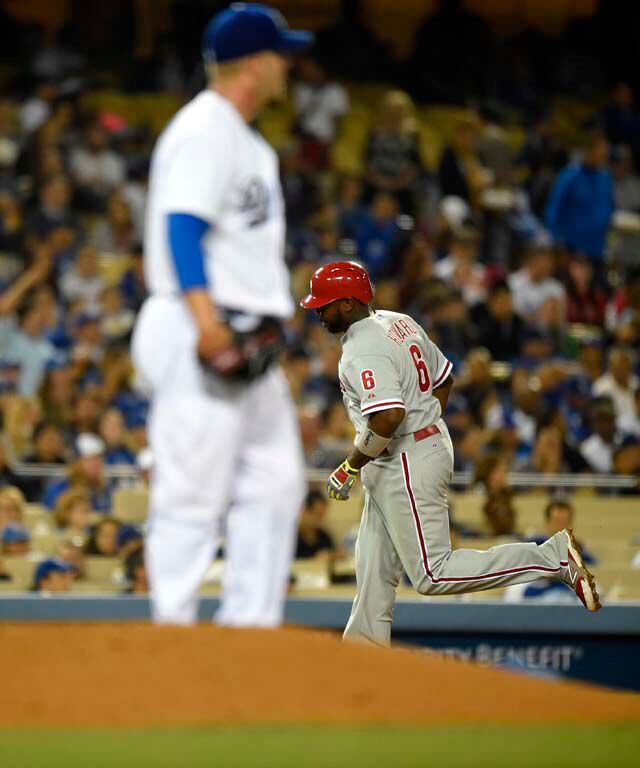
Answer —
(370, 443)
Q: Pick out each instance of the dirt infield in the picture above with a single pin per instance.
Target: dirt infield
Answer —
(138, 675)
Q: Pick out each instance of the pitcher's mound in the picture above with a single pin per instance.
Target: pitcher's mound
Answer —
(140, 675)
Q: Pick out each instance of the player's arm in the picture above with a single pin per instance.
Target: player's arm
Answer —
(442, 392)
(381, 427)
(186, 233)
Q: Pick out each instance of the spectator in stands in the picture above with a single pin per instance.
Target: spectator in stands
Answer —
(53, 575)
(25, 343)
(629, 423)
(83, 280)
(541, 158)
(460, 173)
(499, 328)
(103, 541)
(598, 449)
(96, 169)
(533, 286)
(87, 472)
(11, 506)
(319, 105)
(72, 551)
(476, 382)
(88, 342)
(450, 326)
(37, 108)
(115, 233)
(500, 514)
(72, 513)
(621, 117)
(376, 235)
(626, 461)
(392, 156)
(350, 208)
(313, 539)
(113, 432)
(21, 415)
(54, 209)
(558, 515)
(57, 394)
(132, 284)
(117, 319)
(11, 224)
(581, 203)
(8, 477)
(136, 573)
(48, 448)
(492, 472)
(591, 358)
(619, 383)
(15, 539)
(129, 540)
(586, 301)
(460, 269)
(626, 183)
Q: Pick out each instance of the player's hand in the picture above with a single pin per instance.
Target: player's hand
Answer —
(217, 350)
(342, 481)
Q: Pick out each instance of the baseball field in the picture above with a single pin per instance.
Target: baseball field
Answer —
(135, 695)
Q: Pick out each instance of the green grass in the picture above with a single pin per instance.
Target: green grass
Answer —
(615, 746)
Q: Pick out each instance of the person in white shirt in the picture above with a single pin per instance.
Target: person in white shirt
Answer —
(598, 449)
(460, 269)
(96, 168)
(533, 285)
(620, 383)
(319, 104)
(214, 267)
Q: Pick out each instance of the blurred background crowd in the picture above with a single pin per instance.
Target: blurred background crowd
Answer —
(490, 184)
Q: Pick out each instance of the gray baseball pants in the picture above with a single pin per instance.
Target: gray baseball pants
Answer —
(405, 526)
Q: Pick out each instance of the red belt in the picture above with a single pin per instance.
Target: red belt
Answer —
(421, 434)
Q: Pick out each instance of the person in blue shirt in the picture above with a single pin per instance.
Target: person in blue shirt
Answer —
(376, 235)
(580, 205)
(86, 472)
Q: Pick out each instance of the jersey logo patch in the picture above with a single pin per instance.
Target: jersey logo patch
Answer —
(254, 201)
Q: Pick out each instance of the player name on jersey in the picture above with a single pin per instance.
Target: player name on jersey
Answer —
(400, 330)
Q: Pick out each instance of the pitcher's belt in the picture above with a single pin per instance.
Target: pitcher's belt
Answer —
(416, 437)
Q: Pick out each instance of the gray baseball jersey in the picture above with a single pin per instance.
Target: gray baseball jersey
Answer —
(388, 361)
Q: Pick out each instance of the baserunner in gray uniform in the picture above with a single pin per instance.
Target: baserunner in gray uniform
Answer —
(396, 384)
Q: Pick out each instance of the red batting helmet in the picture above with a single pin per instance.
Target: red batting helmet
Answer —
(338, 280)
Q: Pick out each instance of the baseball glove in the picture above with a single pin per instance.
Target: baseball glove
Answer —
(250, 355)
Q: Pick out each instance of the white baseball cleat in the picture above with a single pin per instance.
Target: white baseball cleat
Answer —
(578, 577)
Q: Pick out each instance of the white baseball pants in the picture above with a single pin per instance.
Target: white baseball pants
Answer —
(217, 448)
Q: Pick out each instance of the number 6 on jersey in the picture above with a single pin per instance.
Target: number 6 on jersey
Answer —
(368, 379)
(423, 374)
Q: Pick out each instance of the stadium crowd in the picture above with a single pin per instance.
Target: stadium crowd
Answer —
(520, 261)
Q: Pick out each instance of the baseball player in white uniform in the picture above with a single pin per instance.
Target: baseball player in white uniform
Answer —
(221, 425)
(395, 384)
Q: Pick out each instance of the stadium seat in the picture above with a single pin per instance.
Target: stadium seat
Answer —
(104, 570)
(21, 569)
(130, 505)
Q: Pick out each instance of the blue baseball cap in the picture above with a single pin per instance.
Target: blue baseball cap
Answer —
(247, 28)
(51, 565)
(14, 532)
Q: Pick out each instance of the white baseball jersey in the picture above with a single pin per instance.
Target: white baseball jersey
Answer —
(388, 361)
(209, 163)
